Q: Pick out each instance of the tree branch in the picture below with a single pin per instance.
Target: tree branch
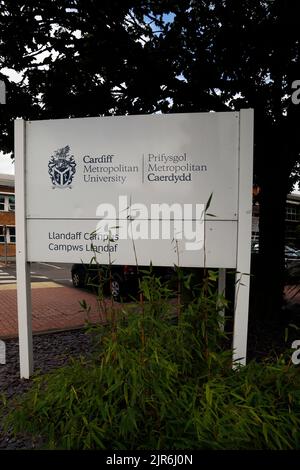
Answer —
(39, 51)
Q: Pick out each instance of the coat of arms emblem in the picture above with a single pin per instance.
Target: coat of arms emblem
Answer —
(62, 168)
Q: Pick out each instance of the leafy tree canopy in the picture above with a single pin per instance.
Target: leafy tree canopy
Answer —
(85, 58)
(89, 58)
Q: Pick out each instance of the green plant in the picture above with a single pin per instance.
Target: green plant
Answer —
(160, 380)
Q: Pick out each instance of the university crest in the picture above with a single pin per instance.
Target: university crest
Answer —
(62, 168)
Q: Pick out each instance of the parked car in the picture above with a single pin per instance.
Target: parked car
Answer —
(291, 252)
(119, 281)
(292, 256)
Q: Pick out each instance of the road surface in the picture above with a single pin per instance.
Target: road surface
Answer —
(40, 272)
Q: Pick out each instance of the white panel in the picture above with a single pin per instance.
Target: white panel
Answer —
(133, 149)
(221, 239)
(73, 245)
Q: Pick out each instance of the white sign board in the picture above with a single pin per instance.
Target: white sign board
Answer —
(86, 185)
(74, 165)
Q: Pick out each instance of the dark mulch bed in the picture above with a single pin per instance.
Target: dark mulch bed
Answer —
(50, 351)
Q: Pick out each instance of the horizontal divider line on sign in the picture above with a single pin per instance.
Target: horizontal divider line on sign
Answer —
(213, 219)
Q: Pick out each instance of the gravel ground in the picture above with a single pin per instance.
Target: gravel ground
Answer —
(50, 351)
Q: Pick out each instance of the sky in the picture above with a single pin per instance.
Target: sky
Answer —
(7, 166)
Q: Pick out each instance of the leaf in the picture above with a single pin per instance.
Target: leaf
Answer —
(212, 275)
(286, 334)
(265, 432)
(208, 394)
(208, 202)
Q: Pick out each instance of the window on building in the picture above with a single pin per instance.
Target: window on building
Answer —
(2, 237)
(11, 203)
(7, 202)
(2, 202)
(11, 236)
(292, 213)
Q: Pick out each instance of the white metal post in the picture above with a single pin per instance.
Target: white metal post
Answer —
(23, 267)
(242, 287)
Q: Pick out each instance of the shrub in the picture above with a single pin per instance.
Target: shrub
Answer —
(161, 380)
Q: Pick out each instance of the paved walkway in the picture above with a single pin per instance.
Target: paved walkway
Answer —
(54, 307)
(292, 294)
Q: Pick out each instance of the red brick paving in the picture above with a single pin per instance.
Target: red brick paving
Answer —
(58, 308)
(292, 294)
(55, 308)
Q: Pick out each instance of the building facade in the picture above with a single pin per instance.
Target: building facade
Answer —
(7, 217)
(292, 221)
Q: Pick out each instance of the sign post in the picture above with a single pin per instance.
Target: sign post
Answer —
(23, 266)
(242, 285)
(76, 178)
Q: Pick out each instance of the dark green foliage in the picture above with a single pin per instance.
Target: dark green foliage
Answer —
(160, 380)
